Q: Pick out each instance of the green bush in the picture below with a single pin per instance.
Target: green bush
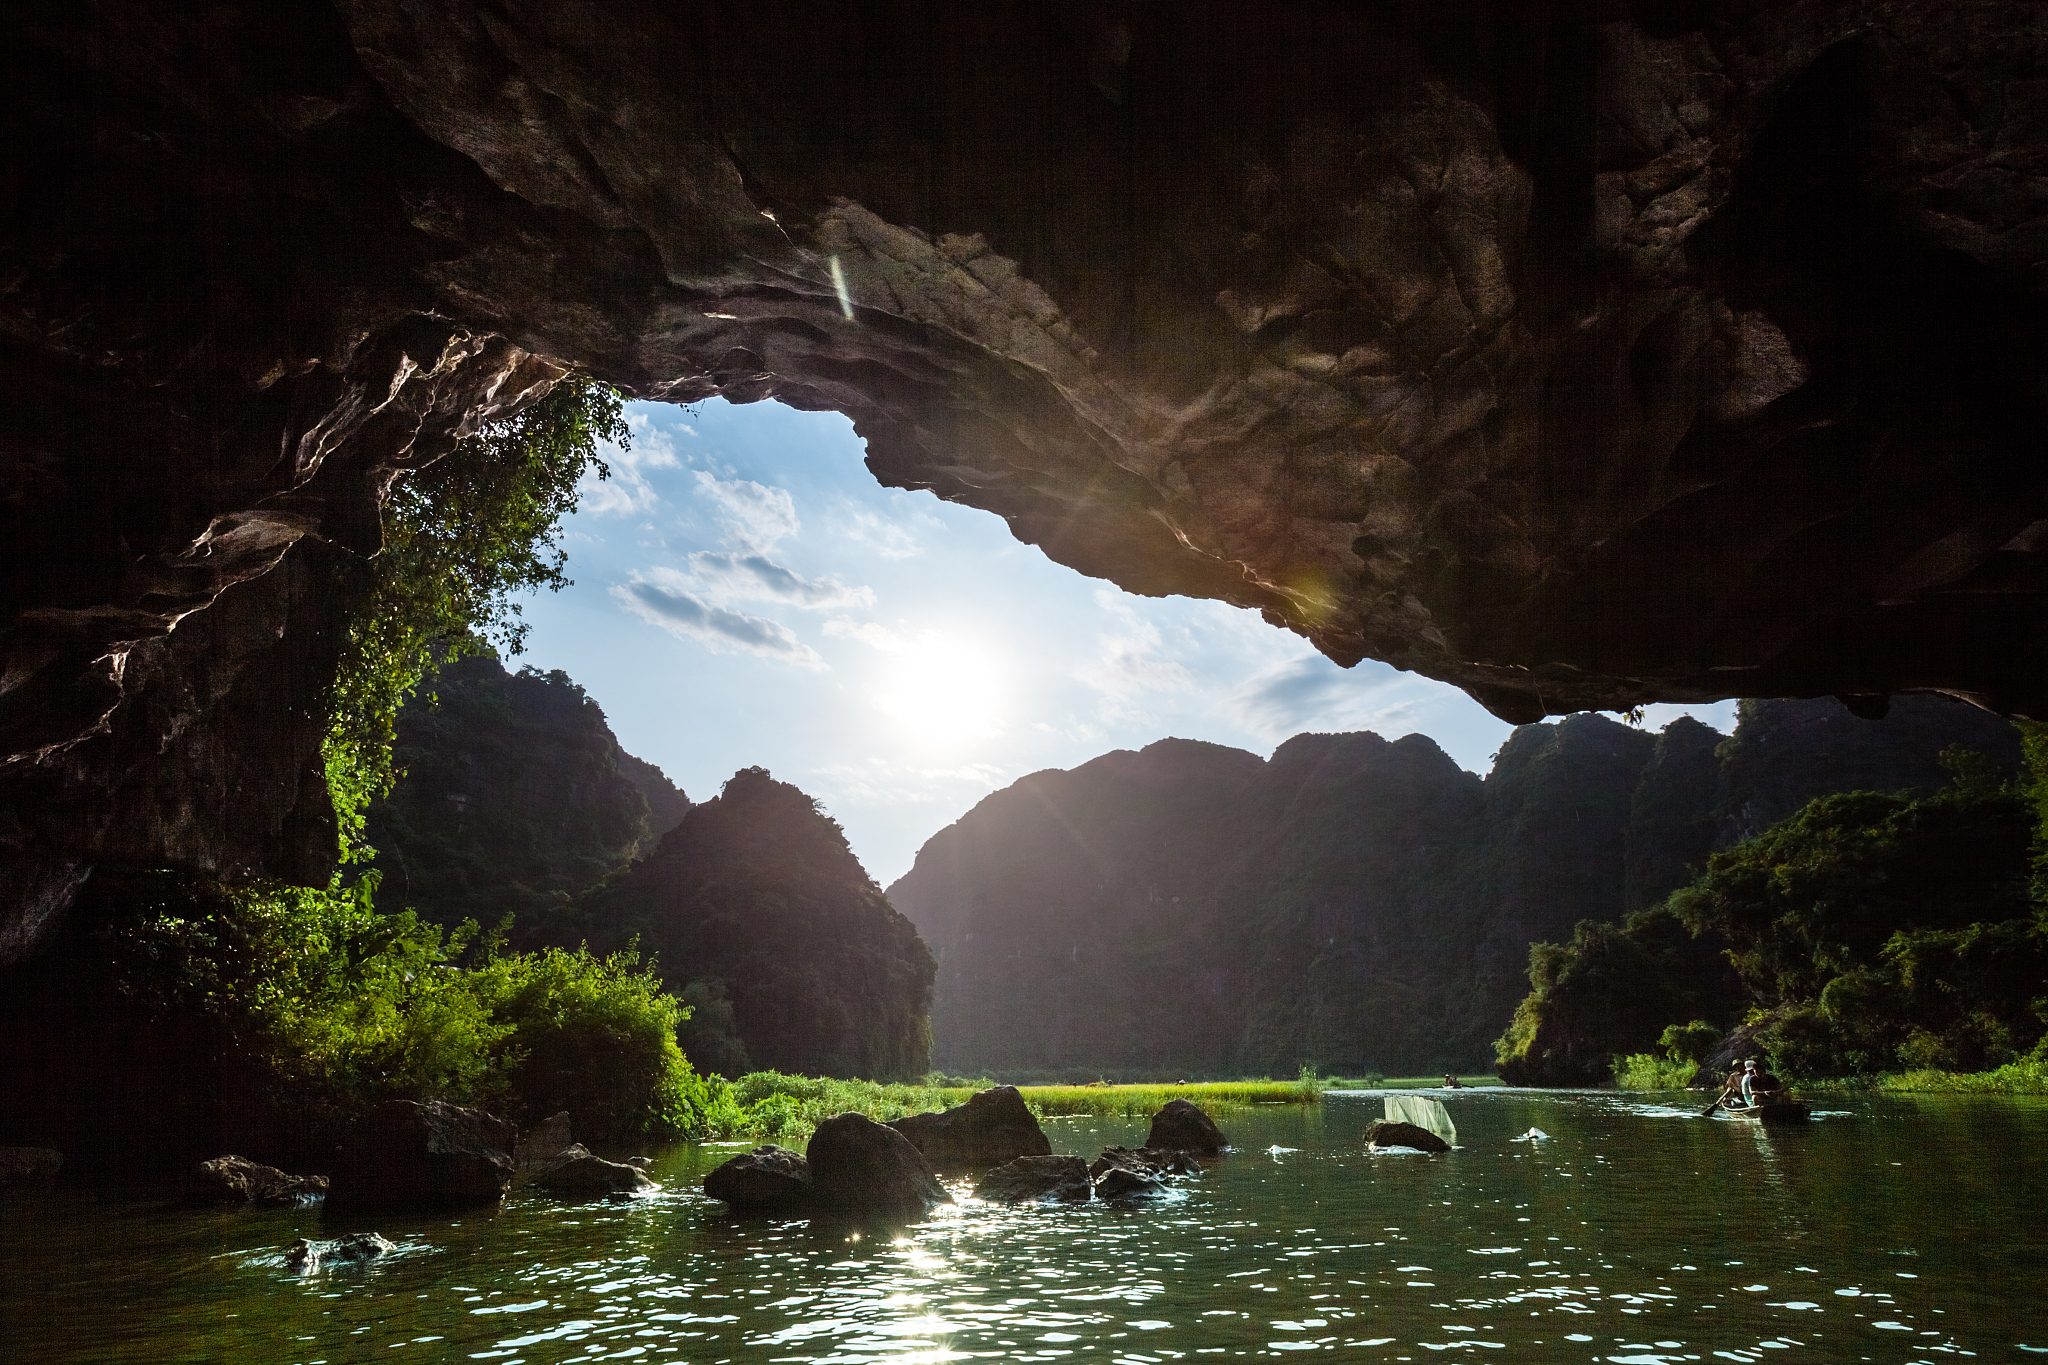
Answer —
(1648, 1071)
(334, 1007)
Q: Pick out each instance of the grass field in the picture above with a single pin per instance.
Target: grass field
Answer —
(2028, 1076)
(1477, 1082)
(1142, 1101)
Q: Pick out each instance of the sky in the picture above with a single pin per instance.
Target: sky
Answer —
(745, 594)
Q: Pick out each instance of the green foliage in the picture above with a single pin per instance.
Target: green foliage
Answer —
(1647, 1071)
(1691, 1043)
(1876, 931)
(333, 1007)
(462, 538)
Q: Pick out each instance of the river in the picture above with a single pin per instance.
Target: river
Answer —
(1891, 1229)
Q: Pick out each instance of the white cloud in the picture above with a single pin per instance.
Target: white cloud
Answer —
(885, 537)
(662, 597)
(627, 492)
(1312, 693)
(755, 516)
(1132, 660)
(757, 577)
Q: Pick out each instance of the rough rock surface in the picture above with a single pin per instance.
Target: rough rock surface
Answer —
(408, 1156)
(576, 1172)
(1149, 1160)
(1064, 1178)
(863, 1169)
(1386, 1133)
(1579, 356)
(542, 1145)
(308, 1254)
(992, 1127)
(238, 1180)
(768, 1179)
(1181, 1125)
(1124, 1178)
(29, 1165)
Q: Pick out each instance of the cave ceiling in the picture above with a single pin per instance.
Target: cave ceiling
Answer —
(1580, 355)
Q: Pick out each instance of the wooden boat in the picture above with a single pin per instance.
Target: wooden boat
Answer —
(1775, 1111)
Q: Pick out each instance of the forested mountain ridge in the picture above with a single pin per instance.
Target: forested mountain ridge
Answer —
(514, 796)
(1351, 901)
(755, 910)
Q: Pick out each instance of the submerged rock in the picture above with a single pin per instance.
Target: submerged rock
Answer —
(1064, 1178)
(1182, 1126)
(993, 1127)
(1150, 1160)
(1387, 1133)
(864, 1169)
(768, 1179)
(238, 1180)
(29, 1165)
(577, 1172)
(406, 1155)
(308, 1254)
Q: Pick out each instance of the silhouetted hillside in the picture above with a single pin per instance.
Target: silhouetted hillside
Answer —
(755, 901)
(514, 797)
(1352, 902)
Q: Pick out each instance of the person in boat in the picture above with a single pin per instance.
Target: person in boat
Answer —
(1452, 1082)
(1731, 1089)
(1760, 1087)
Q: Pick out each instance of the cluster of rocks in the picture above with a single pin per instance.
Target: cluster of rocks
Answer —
(406, 1157)
(855, 1167)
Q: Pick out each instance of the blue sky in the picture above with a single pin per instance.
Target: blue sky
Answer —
(746, 594)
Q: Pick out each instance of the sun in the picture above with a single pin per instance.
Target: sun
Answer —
(944, 686)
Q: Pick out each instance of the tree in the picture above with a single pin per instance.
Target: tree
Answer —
(462, 537)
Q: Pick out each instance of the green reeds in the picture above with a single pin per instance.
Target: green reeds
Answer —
(1143, 1101)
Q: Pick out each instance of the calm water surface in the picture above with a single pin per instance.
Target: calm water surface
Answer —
(1893, 1230)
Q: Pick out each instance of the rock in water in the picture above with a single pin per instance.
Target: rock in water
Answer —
(768, 1179)
(238, 1180)
(1181, 1125)
(1386, 1133)
(404, 1155)
(1126, 1182)
(1154, 1161)
(1037, 1177)
(29, 1165)
(577, 1172)
(309, 1255)
(864, 1169)
(541, 1146)
(993, 1127)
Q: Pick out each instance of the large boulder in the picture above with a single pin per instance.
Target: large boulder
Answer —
(993, 1127)
(408, 1156)
(1387, 1133)
(1182, 1126)
(29, 1165)
(768, 1179)
(864, 1169)
(576, 1172)
(1063, 1178)
(541, 1146)
(238, 1180)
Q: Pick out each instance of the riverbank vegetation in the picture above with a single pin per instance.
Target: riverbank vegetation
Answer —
(1882, 940)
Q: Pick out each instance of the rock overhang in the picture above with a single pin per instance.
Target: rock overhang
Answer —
(1580, 356)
